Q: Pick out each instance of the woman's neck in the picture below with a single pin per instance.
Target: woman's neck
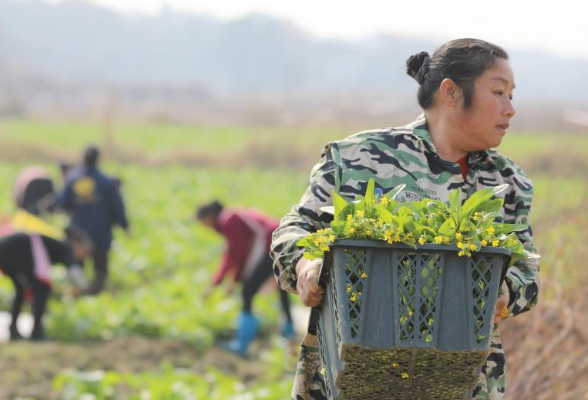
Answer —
(443, 135)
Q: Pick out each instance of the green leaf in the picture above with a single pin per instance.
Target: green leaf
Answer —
(404, 210)
(422, 228)
(386, 216)
(454, 202)
(490, 206)
(446, 227)
(409, 226)
(348, 209)
(394, 192)
(338, 227)
(418, 208)
(313, 255)
(304, 241)
(339, 204)
(482, 196)
(370, 192)
(508, 228)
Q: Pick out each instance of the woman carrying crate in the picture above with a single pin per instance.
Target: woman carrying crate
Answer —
(466, 91)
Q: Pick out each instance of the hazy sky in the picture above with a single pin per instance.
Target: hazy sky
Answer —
(556, 26)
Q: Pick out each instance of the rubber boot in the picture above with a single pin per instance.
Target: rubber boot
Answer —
(247, 327)
(14, 333)
(288, 331)
(38, 334)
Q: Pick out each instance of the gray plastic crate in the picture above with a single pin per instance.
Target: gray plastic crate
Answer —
(400, 323)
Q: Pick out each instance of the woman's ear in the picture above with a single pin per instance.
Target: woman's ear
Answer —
(449, 93)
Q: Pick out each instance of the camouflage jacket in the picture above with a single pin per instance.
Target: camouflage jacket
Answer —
(408, 156)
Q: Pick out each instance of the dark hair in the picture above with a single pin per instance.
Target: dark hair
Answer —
(461, 60)
(65, 167)
(75, 234)
(212, 209)
(91, 156)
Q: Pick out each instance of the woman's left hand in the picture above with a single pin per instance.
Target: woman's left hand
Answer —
(231, 288)
(502, 303)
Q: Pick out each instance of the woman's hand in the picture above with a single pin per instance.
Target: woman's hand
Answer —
(307, 286)
(502, 303)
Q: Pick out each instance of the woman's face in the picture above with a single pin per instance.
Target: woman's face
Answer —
(484, 124)
(208, 221)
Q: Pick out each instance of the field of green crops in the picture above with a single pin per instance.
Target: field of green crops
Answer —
(163, 336)
(159, 274)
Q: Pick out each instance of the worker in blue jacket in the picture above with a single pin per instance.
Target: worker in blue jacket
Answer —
(96, 204)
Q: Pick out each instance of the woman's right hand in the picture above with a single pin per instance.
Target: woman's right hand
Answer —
(307, 286)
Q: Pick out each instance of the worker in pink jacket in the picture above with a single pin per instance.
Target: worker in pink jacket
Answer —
(246, 259)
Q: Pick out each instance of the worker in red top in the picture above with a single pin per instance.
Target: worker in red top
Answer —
(247, 260)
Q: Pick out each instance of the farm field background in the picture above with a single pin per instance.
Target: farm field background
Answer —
(152, 336)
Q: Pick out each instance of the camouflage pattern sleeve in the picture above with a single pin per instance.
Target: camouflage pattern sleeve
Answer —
(523, 276)
(304, 218)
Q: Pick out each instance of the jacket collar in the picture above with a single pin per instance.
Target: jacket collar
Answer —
(420, 129)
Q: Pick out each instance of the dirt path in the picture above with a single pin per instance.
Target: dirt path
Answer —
(27, 370)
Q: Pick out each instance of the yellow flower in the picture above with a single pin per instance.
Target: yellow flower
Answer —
(384, 201)
(422, 240)
(360, 214)
(445, 239)
(404, 375)
(473, 247)
(349, 217)
(363, 275)
(491, 230)
(325, 248)
(495, 243)
(316, 241)
(460, 254)
(353, 296)
(395, 365)
(460, 245)
(458, 236)
(332, 238)
(476, 216)
(438, 239)
(351, 230)
(348, 288)
(484, 242)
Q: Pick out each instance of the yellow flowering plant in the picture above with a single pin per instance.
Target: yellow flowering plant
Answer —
(468, 226)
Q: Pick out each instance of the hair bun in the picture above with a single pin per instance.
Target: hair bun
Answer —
(417, 66)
